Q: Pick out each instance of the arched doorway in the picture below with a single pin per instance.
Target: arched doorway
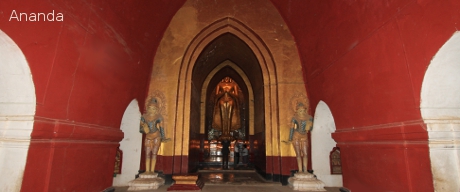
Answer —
(188, 46)
(322, 143)
(131, 145)
(440, 108)
(17, 111)
(238, 61)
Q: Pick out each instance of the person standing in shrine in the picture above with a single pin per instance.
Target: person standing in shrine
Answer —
(245, 154)
(225, 153)
(236, 155)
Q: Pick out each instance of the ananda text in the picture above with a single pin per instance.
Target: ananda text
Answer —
(51, 16)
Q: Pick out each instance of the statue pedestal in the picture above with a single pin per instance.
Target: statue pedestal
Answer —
(146, 181)
(305, 182)
(187, 182)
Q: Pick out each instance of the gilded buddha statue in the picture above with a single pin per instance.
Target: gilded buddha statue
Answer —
(226, 116)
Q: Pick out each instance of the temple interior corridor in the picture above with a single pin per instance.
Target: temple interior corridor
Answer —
(104, 94)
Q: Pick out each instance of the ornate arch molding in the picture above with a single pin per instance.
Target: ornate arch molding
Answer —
(262, 53)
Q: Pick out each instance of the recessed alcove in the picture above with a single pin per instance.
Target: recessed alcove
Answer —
(225, 56)
(189, 64)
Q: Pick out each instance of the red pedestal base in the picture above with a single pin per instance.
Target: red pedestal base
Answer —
(187, 182)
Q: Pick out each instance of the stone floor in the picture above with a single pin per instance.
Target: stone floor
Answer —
(241, 179)
(228, 188)
(234, 178)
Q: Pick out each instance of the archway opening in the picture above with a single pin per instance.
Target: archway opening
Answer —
(17, 111)
(175, 75)
(130, 146)
(321, 143)
(225, 56)
(440, 108)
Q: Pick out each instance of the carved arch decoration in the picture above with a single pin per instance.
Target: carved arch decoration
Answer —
(190, 31)
(261, 51)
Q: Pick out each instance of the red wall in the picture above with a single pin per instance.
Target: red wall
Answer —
(86, 70)
(366, 60)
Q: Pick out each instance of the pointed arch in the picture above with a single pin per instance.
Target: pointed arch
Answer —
(17, 111)
(261, 51)
(184, 49)
(246, 81)
(440, 108)
(131, 145)
(322, 143)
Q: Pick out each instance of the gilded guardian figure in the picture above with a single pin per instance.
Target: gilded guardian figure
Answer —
(301, 124)
(152, 125)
